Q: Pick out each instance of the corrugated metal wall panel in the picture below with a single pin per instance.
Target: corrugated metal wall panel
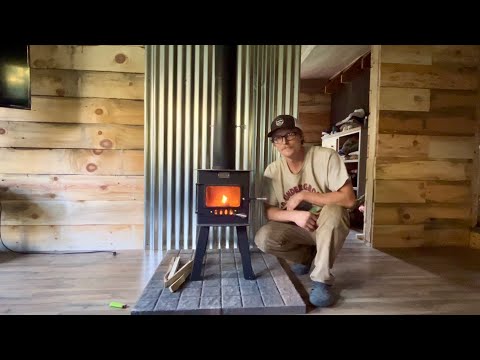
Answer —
(270, 76)
(178, 133)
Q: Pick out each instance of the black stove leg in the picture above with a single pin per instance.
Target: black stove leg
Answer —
(200, 253)
(248, 273)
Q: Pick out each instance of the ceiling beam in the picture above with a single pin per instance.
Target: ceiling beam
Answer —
(366, 61)
(348, 74)
(352, 72)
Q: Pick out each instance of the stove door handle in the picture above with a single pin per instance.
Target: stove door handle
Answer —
(196, 203)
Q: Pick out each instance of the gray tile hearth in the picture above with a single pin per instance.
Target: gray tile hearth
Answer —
(223, 290)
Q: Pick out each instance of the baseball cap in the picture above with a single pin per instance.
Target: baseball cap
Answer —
(284, 122)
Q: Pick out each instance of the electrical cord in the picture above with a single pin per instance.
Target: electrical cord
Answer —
(48, 252)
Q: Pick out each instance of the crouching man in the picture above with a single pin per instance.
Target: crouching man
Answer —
(308, 192)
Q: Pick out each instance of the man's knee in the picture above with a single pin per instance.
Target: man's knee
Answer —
(267, 238)
(333, 215)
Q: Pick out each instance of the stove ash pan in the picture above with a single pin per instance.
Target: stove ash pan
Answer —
(223, 197)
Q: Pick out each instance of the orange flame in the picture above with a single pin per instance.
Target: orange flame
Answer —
(221, 196)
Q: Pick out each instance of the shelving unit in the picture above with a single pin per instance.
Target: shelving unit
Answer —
(355, 167)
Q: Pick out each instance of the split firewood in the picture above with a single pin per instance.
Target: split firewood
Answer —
(170, 265)
(174, 268)
(184, 270)
(174, 287)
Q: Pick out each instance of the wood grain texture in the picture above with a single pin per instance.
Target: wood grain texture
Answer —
(453, 100)
(314, 115)
(400, 191)
(419, 192)
(455, 77)
(427, 123)
(314, 109)
(447, 236)
(312, 85)
(71, 162)
(74, 284)
(373, 124)
(391, 145)
(386, 236)
(447, 193)
(432, 280)
(118, 58)
(407, 54)
(431, 147)
(71, 187)
(409, 169)
(451, 147)
(404, 99)
(49, 212)
(475, 184)
(403, 122)
(426, 150)
(305, 98)
(72, 166)
(87, 84)
(408, 236)
(313, 125)
(71, 136)
(466, 55)
(421, 214)
(72, 237)
(319, 99)
(475, 239)
(79, 110)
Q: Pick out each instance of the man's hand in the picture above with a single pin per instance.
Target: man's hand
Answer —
(294, 201)
(306, 220)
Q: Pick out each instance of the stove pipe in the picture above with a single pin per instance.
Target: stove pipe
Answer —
(225, 96)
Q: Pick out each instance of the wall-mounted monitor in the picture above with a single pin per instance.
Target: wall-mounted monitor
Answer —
(15, 89)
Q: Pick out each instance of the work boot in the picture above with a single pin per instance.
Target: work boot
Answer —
(300, 269)
(320, 295)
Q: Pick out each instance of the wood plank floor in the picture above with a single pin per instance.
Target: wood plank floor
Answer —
(73, 284)
(368, 281)
(403, 281)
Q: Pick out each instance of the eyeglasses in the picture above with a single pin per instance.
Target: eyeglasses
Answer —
(288, 137)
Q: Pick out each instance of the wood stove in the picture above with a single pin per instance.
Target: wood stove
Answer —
(223, 197)
(223, 200)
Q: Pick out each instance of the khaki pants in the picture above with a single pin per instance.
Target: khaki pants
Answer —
(295, 244)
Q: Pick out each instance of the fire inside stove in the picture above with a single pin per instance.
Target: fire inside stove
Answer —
(223, 199)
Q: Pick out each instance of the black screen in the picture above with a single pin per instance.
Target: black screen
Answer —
(15, 76)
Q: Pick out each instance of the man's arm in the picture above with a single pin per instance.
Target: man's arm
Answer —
(276, 214)
(344, 197)
(304, 219)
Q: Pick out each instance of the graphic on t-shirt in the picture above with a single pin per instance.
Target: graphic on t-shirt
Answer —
(296, 189)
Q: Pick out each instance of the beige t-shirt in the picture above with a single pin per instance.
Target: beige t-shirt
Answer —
(323, 171)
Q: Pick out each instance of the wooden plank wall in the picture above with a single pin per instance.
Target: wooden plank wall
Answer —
(314, 109)
(426, 159)
(475, 238)
(71, 174)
